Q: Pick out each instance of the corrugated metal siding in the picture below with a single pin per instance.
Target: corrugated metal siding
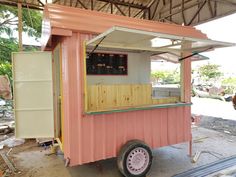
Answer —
(96, 137)
(103, 135)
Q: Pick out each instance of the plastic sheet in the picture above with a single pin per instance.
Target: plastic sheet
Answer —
(11, 142)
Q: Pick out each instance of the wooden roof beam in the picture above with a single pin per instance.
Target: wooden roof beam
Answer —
(195, 15)
(120, 9)
(226, 2)
(24, 5)
(182, 12)
(79, 2)
(104, 5)
(162, 10)
(124, 4)
(155, 9)
(179, 11)
(210, 8)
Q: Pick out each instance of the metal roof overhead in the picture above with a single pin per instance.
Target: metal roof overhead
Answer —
(187, 12)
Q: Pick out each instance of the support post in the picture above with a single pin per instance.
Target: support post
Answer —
(20, 26)
(185, 76)
(190, 148)
(185, 73)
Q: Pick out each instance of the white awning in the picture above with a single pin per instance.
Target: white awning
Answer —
(133, 39)
(174, 58)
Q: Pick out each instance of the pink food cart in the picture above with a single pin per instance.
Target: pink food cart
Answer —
(90, 87)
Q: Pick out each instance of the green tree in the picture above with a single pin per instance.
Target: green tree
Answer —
(229, 81)
(5, 69)
(32, 20)
(209, 72)
(159, 75)
(168, 77)
(7, 46)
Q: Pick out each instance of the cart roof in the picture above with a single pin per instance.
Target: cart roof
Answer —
(60, 20)
(135, 39)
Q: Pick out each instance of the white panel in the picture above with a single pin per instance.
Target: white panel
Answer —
(34, 124)
(33, 95)
(132, 39)
(28, 90)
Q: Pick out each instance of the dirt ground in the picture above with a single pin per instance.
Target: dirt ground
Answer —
(28, 146)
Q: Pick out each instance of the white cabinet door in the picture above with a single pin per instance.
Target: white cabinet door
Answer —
(33, 94)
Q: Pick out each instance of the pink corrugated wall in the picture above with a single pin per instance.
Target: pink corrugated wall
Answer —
(89, 138)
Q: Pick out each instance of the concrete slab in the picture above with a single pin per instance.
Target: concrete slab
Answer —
(167, 160)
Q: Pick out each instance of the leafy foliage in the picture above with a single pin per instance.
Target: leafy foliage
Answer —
(229, 85)
(166, 77)
(229, 81)
(7, 46)
(210, 72)
(6, 69)
(32, 20)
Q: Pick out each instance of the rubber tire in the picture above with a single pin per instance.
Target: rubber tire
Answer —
(124, 152)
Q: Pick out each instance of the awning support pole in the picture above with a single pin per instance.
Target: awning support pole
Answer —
(90, 53)
(195, 53)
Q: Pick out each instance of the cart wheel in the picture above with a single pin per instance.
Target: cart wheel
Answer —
(134, 159)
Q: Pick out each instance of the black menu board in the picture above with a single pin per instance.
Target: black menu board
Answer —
(106, 64)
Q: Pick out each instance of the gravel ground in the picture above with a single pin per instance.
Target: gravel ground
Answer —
(219, 124)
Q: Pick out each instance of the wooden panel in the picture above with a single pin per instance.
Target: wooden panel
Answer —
(107, 97)
(124, 95)
(142, 94)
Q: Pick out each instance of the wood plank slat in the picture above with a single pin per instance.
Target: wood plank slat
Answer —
(108, 97)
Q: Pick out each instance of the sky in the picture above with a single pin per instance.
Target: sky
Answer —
(223, 29)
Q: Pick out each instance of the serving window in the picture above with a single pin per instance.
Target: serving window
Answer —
(106, 64)
(134, 92)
